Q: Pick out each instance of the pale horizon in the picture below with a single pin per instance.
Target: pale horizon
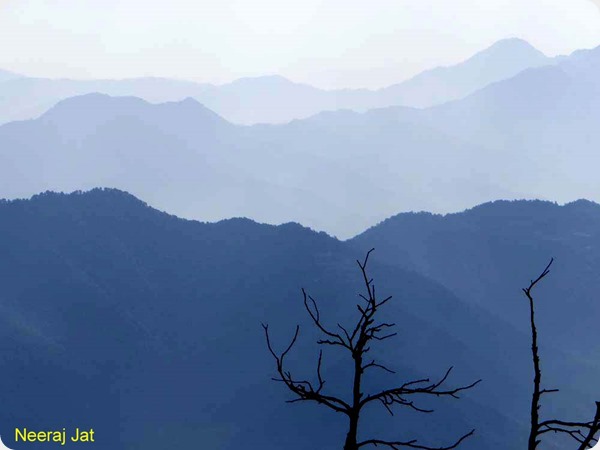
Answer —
(289, 78)
(331, 44)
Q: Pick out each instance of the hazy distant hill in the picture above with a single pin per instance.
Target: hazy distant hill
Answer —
(541, 124)
(273, 99)
(27, 98)
(184, 158)
(501, 61)
(531, 136)
(277, 100)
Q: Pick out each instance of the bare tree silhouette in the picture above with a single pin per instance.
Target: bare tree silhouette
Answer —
(583, 432)
(356, 340)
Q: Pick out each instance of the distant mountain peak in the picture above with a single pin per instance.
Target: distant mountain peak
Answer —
(191, 105)
(502, 60)
(190, 101)
(583, 204)
(94, 100)
(511, 48)
(100, 106)
(112, 194)
(512, 43)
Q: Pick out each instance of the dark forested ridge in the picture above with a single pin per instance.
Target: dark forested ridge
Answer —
(482, 254)
(478, 252)
(147, 327)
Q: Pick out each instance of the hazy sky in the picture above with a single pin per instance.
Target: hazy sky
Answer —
(330, 43)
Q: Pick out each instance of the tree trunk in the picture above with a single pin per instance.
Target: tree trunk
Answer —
(351, 443)
(351, 437)
(537, 381)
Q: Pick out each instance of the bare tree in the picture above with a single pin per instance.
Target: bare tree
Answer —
(357, 341)
(583, 432)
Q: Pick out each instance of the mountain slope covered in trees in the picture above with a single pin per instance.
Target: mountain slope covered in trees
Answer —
(482, 253)
(147, 328)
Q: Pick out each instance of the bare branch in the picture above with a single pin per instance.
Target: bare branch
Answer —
(594, 429)
(379, 366)
(315, 315)
(280, 358)
(533, 283)
(384, 301)
(396, 445)
(303, 389)
(573, 429)
(396, 395)
(549, 391)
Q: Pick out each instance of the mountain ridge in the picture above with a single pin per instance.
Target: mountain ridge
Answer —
(109, 194)
(178, 293)
(275, 99)
(312, 171)
(248, 169)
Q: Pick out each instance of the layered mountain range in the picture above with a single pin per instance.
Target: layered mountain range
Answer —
(146, 326)
(533, 135)
(274, 99)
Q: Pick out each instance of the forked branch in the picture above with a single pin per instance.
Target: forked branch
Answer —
(304, 389)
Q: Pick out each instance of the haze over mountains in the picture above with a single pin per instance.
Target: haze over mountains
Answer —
(531, 136)
(147, 327)
(274, 99)
(183, 158)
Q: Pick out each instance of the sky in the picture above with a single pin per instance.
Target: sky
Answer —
(327, 43)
